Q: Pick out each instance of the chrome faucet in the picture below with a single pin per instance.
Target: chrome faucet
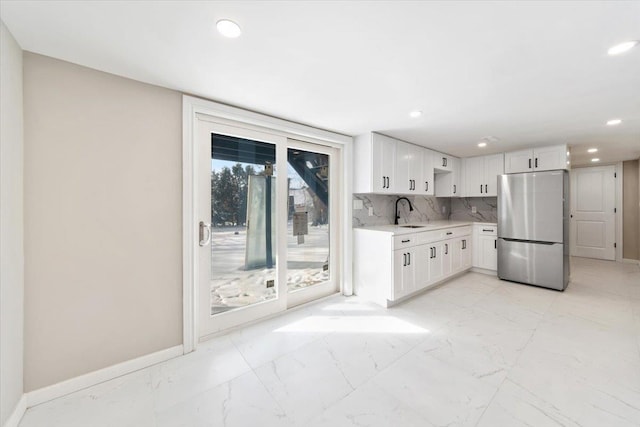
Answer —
(410, 208)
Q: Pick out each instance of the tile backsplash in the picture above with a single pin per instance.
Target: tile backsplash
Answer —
(425, 208)
(486, 209)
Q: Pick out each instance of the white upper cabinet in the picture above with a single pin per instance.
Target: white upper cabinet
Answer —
(447, 184)
(375, 164)
(536, 159)
(427, 185)
(481, 175)
(409, 167)
(443, 162)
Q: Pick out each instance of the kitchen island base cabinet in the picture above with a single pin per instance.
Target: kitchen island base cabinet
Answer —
(388, 268)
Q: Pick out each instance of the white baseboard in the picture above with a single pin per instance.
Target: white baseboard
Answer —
(18, 412)
(631, 261)
(484, 271)
(63, 388)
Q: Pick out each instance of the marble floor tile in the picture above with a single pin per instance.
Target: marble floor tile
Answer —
(476, 351)
(126, 401)
(369, 405)
(441, 393)
(241, 402)
(215, 363)
(305, 382)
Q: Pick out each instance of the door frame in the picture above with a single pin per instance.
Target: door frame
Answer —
(195, 109)
(618, 205)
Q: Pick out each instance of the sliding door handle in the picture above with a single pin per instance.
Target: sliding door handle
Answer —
(201, 234)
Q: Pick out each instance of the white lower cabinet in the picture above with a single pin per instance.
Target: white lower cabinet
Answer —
(485, 253)
(404, 272)
(388, 268)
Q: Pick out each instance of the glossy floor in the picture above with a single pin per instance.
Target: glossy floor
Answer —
(476, 351)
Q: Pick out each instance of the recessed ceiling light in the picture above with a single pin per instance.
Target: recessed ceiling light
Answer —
(415, 114)
(568, 162)
(614, 122)
(592, 150)
(482, 144)
(622, 47)
(595, 159)
(228, 28)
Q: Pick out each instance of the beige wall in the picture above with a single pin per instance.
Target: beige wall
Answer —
(630, 210)
(11, 225)
(103, 271)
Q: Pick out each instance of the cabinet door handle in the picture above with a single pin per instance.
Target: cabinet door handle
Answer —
(388, 182)
(426, 186)
(480, 188)
(464, 244)
(409, 256)
(404, 256)
(384, 182)
(454, 189)
(446, 248)
(536, 162)
(495, 244)
(435, 252)
(406, 241)
(486, 191)
(529, 163)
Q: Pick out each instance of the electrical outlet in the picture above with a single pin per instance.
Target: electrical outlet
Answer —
(370, 210)
(357, 204)
(473, 209)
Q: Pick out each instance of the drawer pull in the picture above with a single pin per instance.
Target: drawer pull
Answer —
(449, 232)
(484, 229)
(406, 241)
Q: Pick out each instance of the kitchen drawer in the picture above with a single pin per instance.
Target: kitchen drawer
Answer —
(445, 233)
(487, 230)
(404, 241)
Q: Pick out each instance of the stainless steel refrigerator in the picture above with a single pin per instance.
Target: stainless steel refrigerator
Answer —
(533, 228)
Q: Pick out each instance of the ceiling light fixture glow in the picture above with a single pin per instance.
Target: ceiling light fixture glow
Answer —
(592, 150)
(622, 47)
(228, 28)
(595, 159)
(482, 144)
(415, 114)
(614, 122)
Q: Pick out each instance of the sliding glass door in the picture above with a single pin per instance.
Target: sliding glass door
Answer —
(265, 216)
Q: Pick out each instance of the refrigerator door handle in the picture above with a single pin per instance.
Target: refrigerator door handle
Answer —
(537, 242)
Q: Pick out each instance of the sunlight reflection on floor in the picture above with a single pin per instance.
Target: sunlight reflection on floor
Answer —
(354, 324)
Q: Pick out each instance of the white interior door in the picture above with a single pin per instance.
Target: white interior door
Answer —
(593, 212)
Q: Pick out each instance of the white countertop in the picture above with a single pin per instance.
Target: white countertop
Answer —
(425, 226)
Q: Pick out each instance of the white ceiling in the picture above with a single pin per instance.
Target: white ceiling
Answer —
(529, 73)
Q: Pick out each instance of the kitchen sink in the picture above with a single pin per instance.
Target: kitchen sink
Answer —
(412, 226)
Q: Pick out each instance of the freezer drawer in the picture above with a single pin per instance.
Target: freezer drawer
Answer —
(540, 264)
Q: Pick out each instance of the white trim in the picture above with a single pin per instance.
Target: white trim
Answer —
(631, 261)
(346, 260)
(63, 388)
(619, 189)
(484, 271)
(17, 414)
(189, 306)
(198, 105)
